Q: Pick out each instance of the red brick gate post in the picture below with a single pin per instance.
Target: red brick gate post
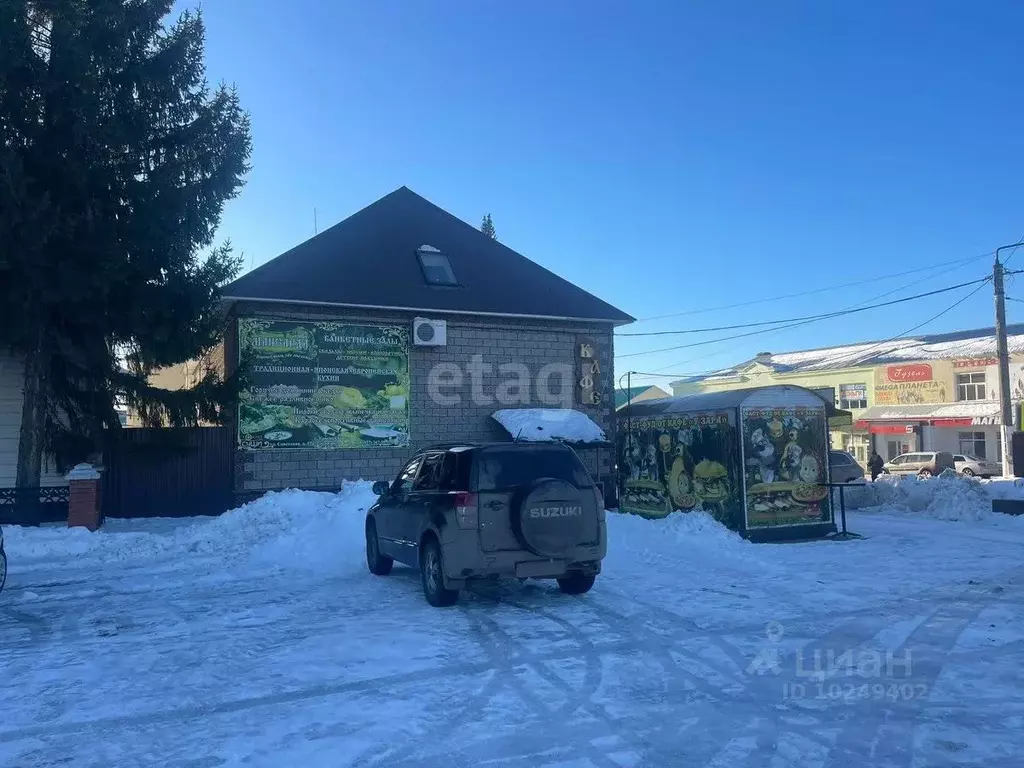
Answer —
(84, 497)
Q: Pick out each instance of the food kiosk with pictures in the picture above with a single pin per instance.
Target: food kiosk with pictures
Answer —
(756, 459)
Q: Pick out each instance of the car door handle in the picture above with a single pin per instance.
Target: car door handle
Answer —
(496, 505)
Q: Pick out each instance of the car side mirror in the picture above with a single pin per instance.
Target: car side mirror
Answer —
(380, 488)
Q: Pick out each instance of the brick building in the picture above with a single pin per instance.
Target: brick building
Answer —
(399, 327)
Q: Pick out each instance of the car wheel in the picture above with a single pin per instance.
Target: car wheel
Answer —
(576, 583)
(925, 473)
(379, 565)
(431, 571)
(967, 472)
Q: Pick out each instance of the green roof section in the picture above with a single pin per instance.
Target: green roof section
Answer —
(622, 396)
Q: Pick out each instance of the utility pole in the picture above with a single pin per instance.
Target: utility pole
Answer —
(1003, 353)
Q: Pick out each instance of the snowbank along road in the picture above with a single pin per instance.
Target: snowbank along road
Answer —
(259, 638)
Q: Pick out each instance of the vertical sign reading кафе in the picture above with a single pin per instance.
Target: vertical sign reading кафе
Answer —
(323, 385)
(589, 375)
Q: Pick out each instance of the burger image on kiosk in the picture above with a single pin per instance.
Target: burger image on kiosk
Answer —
(711, 481)
(646, 498)
(770, 502)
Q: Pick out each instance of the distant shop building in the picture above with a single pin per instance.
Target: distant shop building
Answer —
(928, 393)
(398, 328)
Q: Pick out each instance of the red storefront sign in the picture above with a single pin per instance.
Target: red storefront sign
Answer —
(953, 422)
(899, 429)
(886, 429)
(904, 373)
(975, 362)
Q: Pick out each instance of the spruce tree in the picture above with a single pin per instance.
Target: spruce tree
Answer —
(116, 159)
(487, 227)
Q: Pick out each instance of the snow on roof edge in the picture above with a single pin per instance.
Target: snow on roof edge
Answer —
(978, 342)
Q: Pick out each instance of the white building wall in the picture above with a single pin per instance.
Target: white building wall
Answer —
(948, 439)
(11, 385)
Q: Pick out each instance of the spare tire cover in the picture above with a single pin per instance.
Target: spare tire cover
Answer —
(550, 520)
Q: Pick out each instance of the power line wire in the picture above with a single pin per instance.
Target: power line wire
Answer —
(771, 299)
(787, 327)
(794, 322)
(771, 332)
(823, 316)
(860, 352)
(1007, 259)
(903, 334)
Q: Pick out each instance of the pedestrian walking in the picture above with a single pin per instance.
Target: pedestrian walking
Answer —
(875, 465)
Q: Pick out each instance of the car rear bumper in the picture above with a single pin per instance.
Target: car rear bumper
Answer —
(463, 560)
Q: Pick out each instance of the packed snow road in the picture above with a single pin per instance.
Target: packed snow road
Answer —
(259, 638)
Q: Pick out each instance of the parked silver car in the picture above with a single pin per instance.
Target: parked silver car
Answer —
(844, 468)
(975, 467)
(925, 463)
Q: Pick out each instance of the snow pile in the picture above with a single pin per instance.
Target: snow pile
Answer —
(50, 541)
(291, 528)
(548, 424)
(947, 497)
(317, 534)
(692, 533)
(1005, 488)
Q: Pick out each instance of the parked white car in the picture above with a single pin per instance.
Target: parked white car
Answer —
(975, 467)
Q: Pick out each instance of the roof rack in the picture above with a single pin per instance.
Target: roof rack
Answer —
(443, 446)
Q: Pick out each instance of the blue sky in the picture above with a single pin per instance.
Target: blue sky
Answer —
(667, 156)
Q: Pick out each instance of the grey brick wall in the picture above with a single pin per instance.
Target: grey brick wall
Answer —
(498, 341)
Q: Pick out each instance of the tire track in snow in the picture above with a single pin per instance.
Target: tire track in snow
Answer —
(887, 732)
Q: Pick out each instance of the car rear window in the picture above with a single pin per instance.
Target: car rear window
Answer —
(508, 468)
(837, 458)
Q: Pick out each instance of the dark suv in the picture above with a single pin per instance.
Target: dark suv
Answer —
(492, 510)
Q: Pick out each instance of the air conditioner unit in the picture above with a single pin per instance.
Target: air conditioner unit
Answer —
(429, 333)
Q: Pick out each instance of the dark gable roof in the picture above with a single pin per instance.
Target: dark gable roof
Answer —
(369, 260)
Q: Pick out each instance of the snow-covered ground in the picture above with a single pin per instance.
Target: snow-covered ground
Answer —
(258, 638)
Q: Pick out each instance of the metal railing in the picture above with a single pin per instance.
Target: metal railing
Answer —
(32, 506)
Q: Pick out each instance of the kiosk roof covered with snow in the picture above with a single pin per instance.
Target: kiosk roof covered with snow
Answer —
(757, 459)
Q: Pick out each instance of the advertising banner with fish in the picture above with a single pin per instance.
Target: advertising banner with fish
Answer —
(786, 466)
(680, 462)
(323, 385)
